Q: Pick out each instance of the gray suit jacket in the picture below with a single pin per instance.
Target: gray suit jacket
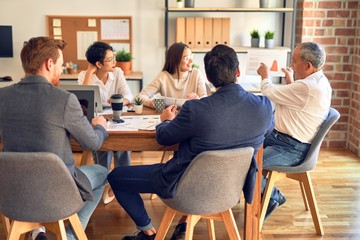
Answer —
(36, 116)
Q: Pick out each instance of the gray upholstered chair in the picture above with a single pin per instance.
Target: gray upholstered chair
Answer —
(209, 188)
(36, 189)
(300, 173)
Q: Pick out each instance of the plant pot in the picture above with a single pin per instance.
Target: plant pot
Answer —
(180, 4)
(125, 66)
(269, 43)
(189, 3)
(138, 109)
(255, 42)
(264, 3)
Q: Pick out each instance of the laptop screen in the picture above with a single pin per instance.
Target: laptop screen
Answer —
(86, 99)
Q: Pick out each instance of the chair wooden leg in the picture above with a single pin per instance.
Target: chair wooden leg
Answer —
(85, 157)
(303, 194)
(230, 225)
(192, 220)
(271, 179)
(312, 203)
(6, 222)
(165, 156)
(17, 228)
(58, 228)
(211, 229)
(165, 223)
(77, 227)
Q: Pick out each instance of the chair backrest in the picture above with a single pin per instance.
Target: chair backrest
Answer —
(36, 187)
(310, 160)
(213, 182)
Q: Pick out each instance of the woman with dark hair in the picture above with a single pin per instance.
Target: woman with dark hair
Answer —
(177, 79)
(102, 71)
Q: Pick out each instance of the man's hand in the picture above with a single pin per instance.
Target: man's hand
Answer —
(100, 120)
(289, 74)
(169, 113)
(263, 71)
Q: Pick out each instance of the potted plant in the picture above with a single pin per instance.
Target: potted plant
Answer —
(123, 60)
(255, 38)
(138, 105)
(269, 39)
(195, 65)
(180, 3)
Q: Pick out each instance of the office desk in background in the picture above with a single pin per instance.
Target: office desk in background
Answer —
(146, 141)
(133, 76)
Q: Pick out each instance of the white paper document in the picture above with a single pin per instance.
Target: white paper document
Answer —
(275, 59)
(135, 123)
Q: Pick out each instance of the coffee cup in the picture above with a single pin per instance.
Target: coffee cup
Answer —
(117, 105)
(159, 104)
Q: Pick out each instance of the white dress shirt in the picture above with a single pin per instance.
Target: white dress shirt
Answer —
(301, 107)
(116, 83)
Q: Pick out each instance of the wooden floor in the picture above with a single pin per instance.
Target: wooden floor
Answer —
(336, 181)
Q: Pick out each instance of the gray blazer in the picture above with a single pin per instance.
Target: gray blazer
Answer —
(36, 116)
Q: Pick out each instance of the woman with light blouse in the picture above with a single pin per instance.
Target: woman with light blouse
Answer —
(178, 79)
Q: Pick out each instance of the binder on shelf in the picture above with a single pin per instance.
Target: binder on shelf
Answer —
(217, 24)
(208, 32)
(190, 32)
(180, 30)
(199, 32)
(225, 31)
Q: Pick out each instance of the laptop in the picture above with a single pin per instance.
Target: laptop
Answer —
(86, 99)
(98, 106)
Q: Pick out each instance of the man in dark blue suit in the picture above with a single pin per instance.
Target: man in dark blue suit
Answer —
(230, 118)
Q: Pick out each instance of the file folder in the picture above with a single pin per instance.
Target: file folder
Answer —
(180, 30)
(217, 24)
(190, 32)
(208, 32)
(199, 32)
(225, 31)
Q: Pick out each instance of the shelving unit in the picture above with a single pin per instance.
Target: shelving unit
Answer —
(284, 10)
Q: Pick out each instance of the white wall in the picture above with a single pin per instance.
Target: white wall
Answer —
(28, 19)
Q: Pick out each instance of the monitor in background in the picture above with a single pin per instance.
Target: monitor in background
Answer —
(98, 106)
(6, 42)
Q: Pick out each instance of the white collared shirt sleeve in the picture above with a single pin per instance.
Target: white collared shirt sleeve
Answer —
(121, 85)
(301, 107)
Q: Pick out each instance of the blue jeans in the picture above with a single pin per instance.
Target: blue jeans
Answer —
(121, 158)
(97, 177)
(127, 183)
(282, 150)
